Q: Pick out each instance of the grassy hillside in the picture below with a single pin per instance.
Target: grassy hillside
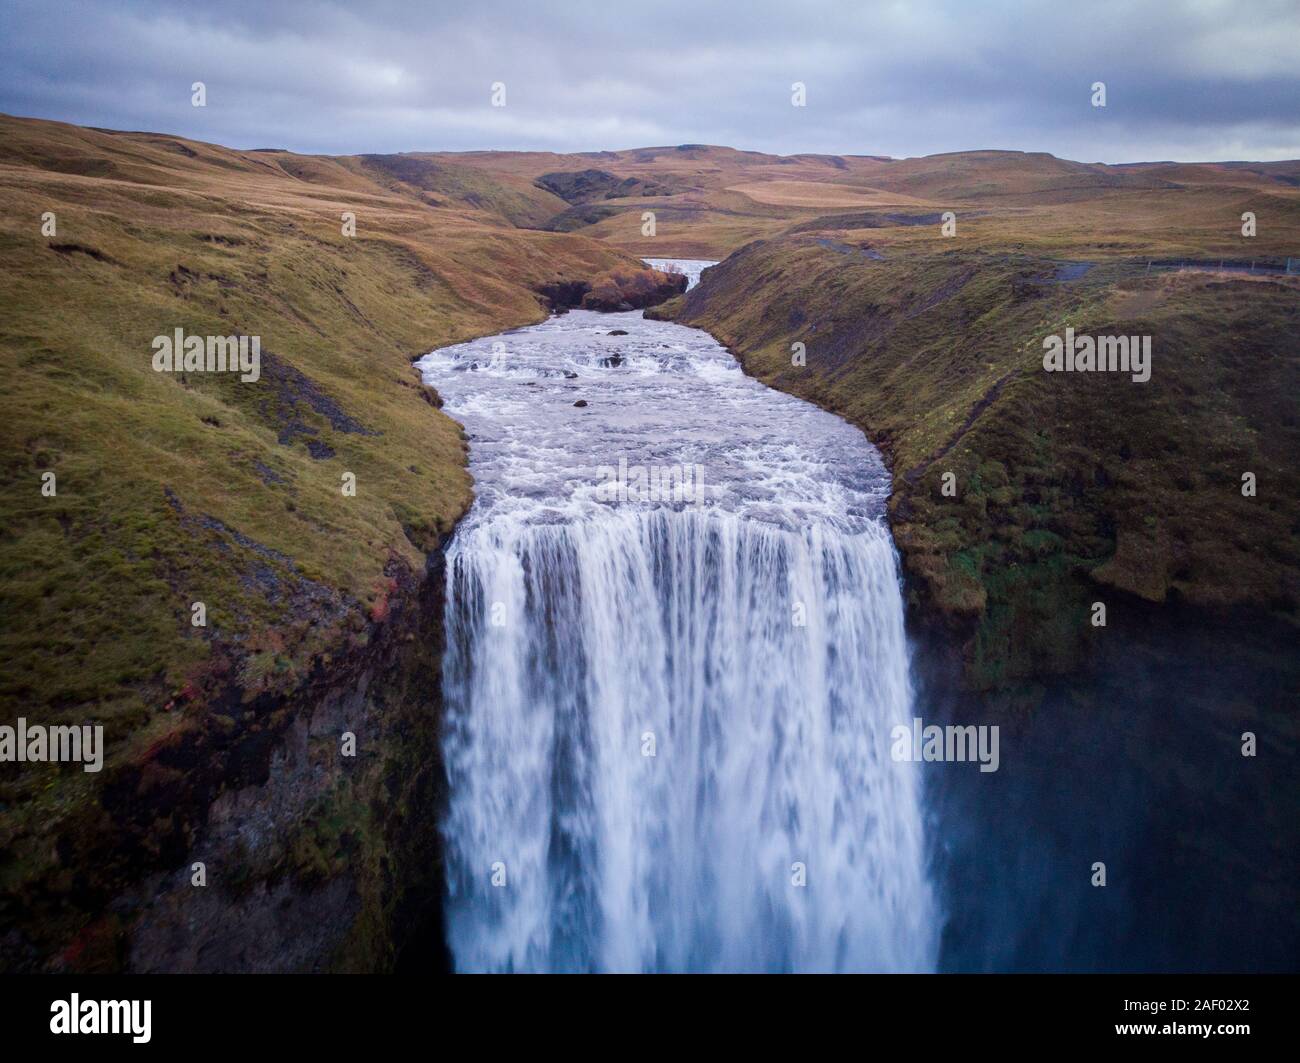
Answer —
(710, 201)
(177, 488)
(1069, 488)
(910, 333)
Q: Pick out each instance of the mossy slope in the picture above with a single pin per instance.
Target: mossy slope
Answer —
(178, 488)
(1070, 488)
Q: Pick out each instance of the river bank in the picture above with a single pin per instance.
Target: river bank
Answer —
(1122, 744)
(218, 571)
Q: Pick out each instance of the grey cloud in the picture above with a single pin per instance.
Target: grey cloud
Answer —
(1187, 80)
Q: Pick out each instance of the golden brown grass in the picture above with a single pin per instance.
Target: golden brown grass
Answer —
(156, 233)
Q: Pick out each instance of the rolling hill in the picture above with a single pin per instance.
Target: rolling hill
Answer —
(323, 608)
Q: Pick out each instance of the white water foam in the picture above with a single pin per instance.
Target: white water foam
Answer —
(754, 642)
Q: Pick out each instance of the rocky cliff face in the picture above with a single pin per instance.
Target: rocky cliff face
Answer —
(313, 859)
(614, 291)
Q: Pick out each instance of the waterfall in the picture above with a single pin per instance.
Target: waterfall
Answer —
(668, 722)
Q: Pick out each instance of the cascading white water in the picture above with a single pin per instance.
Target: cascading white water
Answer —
(669, 719)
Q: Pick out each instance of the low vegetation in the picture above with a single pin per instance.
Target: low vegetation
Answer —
(130, 495)
(1063, 488)
(175, 488)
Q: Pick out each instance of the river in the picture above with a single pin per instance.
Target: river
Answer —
(675, 655)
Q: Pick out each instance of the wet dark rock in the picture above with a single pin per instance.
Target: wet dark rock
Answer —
(561, 294)
(617, 291)
(634, 292)
(267, 474)
(81, 249)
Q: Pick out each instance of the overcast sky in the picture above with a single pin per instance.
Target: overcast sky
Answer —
(1198, 80)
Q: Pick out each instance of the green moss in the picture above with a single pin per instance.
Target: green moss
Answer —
(1070, 487)
(181, 488)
